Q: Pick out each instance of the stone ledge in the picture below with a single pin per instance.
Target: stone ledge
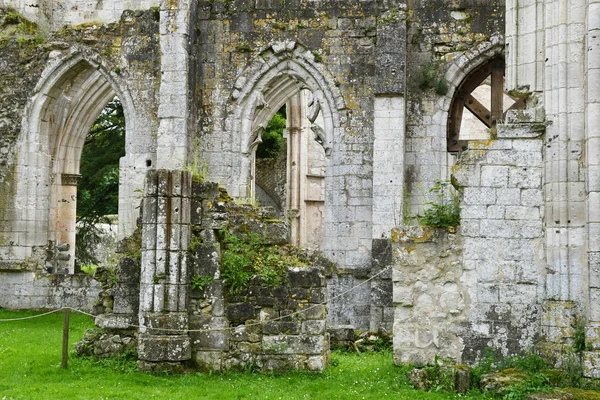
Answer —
(115, 321)
(521, 131)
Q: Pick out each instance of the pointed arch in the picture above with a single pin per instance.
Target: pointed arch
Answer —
(71, 92)
(288, 74)
(282, 70)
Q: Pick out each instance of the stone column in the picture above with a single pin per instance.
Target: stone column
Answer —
(296, 130)
(66, 218)
(166, 215)
(173, 110)
(525, 45)
(591, 359)
(565, 176)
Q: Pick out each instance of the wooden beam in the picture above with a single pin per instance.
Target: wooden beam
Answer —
(479, 110)
(520, 104)
(455, 119)
(497, 92)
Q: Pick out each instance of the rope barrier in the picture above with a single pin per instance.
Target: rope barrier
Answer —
(232, 328)
(33, 316)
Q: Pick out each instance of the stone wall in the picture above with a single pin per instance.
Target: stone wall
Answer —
(118, 59)
(450, 39)
(263, 327)
(494, 274)
(502, 222)
(54, 14)
(430, 298)
(266, 328)
(21, 291)
(226, 62)
(189, 309)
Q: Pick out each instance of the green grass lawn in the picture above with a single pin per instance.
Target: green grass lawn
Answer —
(30, 368)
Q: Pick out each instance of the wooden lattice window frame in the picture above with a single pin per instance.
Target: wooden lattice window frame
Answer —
(463, 97)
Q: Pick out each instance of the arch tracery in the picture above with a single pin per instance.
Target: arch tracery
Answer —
(286, 74)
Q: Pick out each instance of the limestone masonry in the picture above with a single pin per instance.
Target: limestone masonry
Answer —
(386, 102)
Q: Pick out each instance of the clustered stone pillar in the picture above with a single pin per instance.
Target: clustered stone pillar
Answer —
(591, 358)
(163, 341)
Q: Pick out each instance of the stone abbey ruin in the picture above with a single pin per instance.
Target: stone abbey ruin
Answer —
(386, 101)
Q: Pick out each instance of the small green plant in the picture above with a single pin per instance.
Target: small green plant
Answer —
(158, 278)
(244, 48)
(112, 271)
(441, 87)
(89, 268)
(578, 336)
(443, 213)
(318, 57)
(199, 172)
(440, 375)
(484, 366)
(429, 77)
(201, 282)
(247, 255)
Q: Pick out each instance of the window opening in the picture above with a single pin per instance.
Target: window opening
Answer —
(98, 187)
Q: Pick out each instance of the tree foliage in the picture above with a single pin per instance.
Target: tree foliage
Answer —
(272, 139)
(98, 188)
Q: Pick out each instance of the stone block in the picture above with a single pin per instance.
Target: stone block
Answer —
(113, 321)
(592, 336)
(240, 311)
(420, 379)
(518, 294)
(316, 363)
(282, 327)
(559, 313)
(462, 379)
(591, 364)
(341, 334)
(306, 277)
(209, 360)
(165, 324)
(381, 292)
(520, 130)
(313, 327)
(525, 178)
(164, 348)
(403, 296)
(494, 176)
(302, 344)
(251, 332)
(521, 212)
(479, 196)
(314, 312)
(532, 197)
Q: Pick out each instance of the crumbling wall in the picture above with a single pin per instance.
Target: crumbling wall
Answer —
(21, 291)
(498, 274)
(189, 309)
(268, 328)
(126, 54)
(445, 42)
(347, 52)
(430, 298)
(52, 15)
(262, 326)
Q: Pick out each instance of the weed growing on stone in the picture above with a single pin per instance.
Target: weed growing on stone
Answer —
(516, 377)
(444, 212)
(429, 77)
(247, 255)
(200, 282)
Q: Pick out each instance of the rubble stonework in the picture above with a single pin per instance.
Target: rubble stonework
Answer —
(431, 302)
(370, 89)
(263, 326)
